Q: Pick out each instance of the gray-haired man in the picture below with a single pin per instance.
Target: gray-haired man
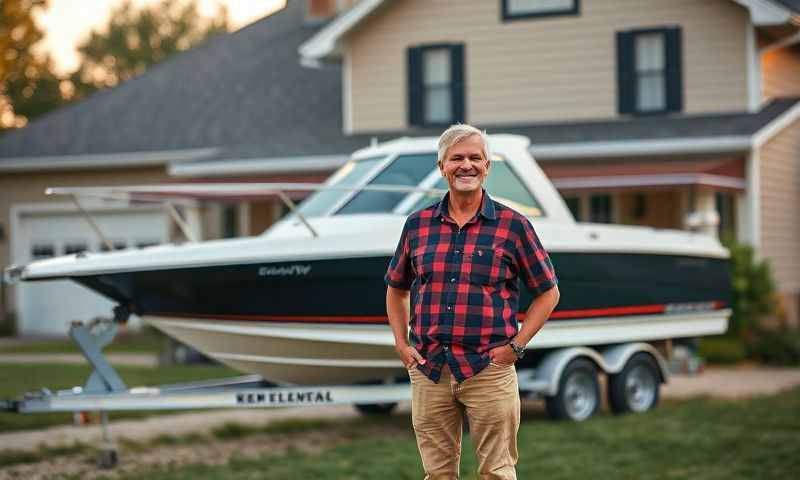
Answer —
(464, 256)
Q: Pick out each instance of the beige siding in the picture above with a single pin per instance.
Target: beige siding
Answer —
(543, 69)
(780, 71)
(780, 200)
(18, 188)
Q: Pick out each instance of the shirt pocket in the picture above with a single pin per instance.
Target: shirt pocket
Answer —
(423, 262)
(486, 265)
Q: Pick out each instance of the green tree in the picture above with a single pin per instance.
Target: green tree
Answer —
(135, 39)
(753, 289)
(28, 86)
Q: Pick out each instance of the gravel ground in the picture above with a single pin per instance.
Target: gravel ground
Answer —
(717, 382)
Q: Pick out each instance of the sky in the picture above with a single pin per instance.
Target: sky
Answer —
(67, 22)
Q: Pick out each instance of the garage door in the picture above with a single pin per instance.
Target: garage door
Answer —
(47, 308)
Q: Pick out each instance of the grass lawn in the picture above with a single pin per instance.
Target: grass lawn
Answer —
(698, 439)
(145, 342)
(18, 379)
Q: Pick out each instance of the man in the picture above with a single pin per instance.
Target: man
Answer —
(463, 256)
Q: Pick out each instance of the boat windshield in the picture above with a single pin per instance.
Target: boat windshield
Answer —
(405, 170)
(350, 174)
(502, 184)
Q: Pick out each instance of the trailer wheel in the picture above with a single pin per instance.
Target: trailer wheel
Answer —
(375, 408)
(578, 396)
(635, 388)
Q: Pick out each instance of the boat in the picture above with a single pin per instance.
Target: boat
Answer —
(303, 303)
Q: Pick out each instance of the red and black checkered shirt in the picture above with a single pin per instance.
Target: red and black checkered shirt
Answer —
(464, 282)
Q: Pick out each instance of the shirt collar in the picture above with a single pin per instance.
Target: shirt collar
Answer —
(487, 209)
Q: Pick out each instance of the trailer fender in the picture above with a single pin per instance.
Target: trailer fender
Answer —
(615, 357)
(552, 366)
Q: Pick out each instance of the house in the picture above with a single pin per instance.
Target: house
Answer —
(674, 114)
(241, 101)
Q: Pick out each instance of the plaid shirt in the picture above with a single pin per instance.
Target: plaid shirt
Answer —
(465, 291)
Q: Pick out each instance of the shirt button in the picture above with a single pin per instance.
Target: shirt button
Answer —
(452, 279)
(446, 348)
(458, 251)
(449, 308)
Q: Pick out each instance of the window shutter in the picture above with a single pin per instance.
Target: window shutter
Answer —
(415, 87)
(674, 69)
(626, 74)
(458, 88)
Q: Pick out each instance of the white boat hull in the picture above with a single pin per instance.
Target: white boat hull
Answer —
(313, 353)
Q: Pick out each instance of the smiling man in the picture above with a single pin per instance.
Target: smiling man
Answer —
(464, 257)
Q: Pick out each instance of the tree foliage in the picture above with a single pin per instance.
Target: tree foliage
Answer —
(28, 86)
(136, 39)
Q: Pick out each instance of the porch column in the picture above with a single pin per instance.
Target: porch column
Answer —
(704, 217)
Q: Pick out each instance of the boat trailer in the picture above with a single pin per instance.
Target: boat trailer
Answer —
(565, 377)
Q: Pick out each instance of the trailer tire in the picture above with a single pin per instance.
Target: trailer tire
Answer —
(635, 388)
(376, 408)
(578, 396)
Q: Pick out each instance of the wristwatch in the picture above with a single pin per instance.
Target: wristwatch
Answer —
(519, 351)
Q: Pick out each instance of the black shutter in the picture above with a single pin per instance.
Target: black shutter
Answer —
(457, 87)
(416, 92)
(626, 73)
(674, 74)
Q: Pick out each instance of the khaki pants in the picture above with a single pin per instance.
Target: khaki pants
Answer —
(491, 402)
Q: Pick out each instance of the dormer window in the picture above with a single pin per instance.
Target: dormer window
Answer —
(436, 85)
(649, 71)
(519, 9)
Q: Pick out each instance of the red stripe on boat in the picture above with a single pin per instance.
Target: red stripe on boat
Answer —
(604, 312)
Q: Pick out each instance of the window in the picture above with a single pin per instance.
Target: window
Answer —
(351, 174)
(639, 211)
(502, 184)
(600, 208)
(436, 85)
(649, 71)
(75, 247)
(406, 170)
(230, 221)
(516, 9)
(726, 208)
(41, 251)
(574, 205)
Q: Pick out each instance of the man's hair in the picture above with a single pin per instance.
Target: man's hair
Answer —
(459, 132)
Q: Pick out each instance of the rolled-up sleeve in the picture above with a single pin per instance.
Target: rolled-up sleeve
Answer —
(535, 267)
(399, 274)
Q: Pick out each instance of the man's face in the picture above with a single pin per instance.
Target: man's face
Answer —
(464, 165)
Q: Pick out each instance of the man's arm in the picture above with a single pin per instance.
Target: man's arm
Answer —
(538, 313)
(398, 308)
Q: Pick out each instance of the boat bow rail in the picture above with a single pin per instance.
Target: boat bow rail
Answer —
(169, 194)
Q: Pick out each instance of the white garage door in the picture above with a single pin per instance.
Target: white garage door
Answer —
(47, 308)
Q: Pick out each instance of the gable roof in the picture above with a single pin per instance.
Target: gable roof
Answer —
(793, 5)
(326, 43)
(667, 135)
(239, 89)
